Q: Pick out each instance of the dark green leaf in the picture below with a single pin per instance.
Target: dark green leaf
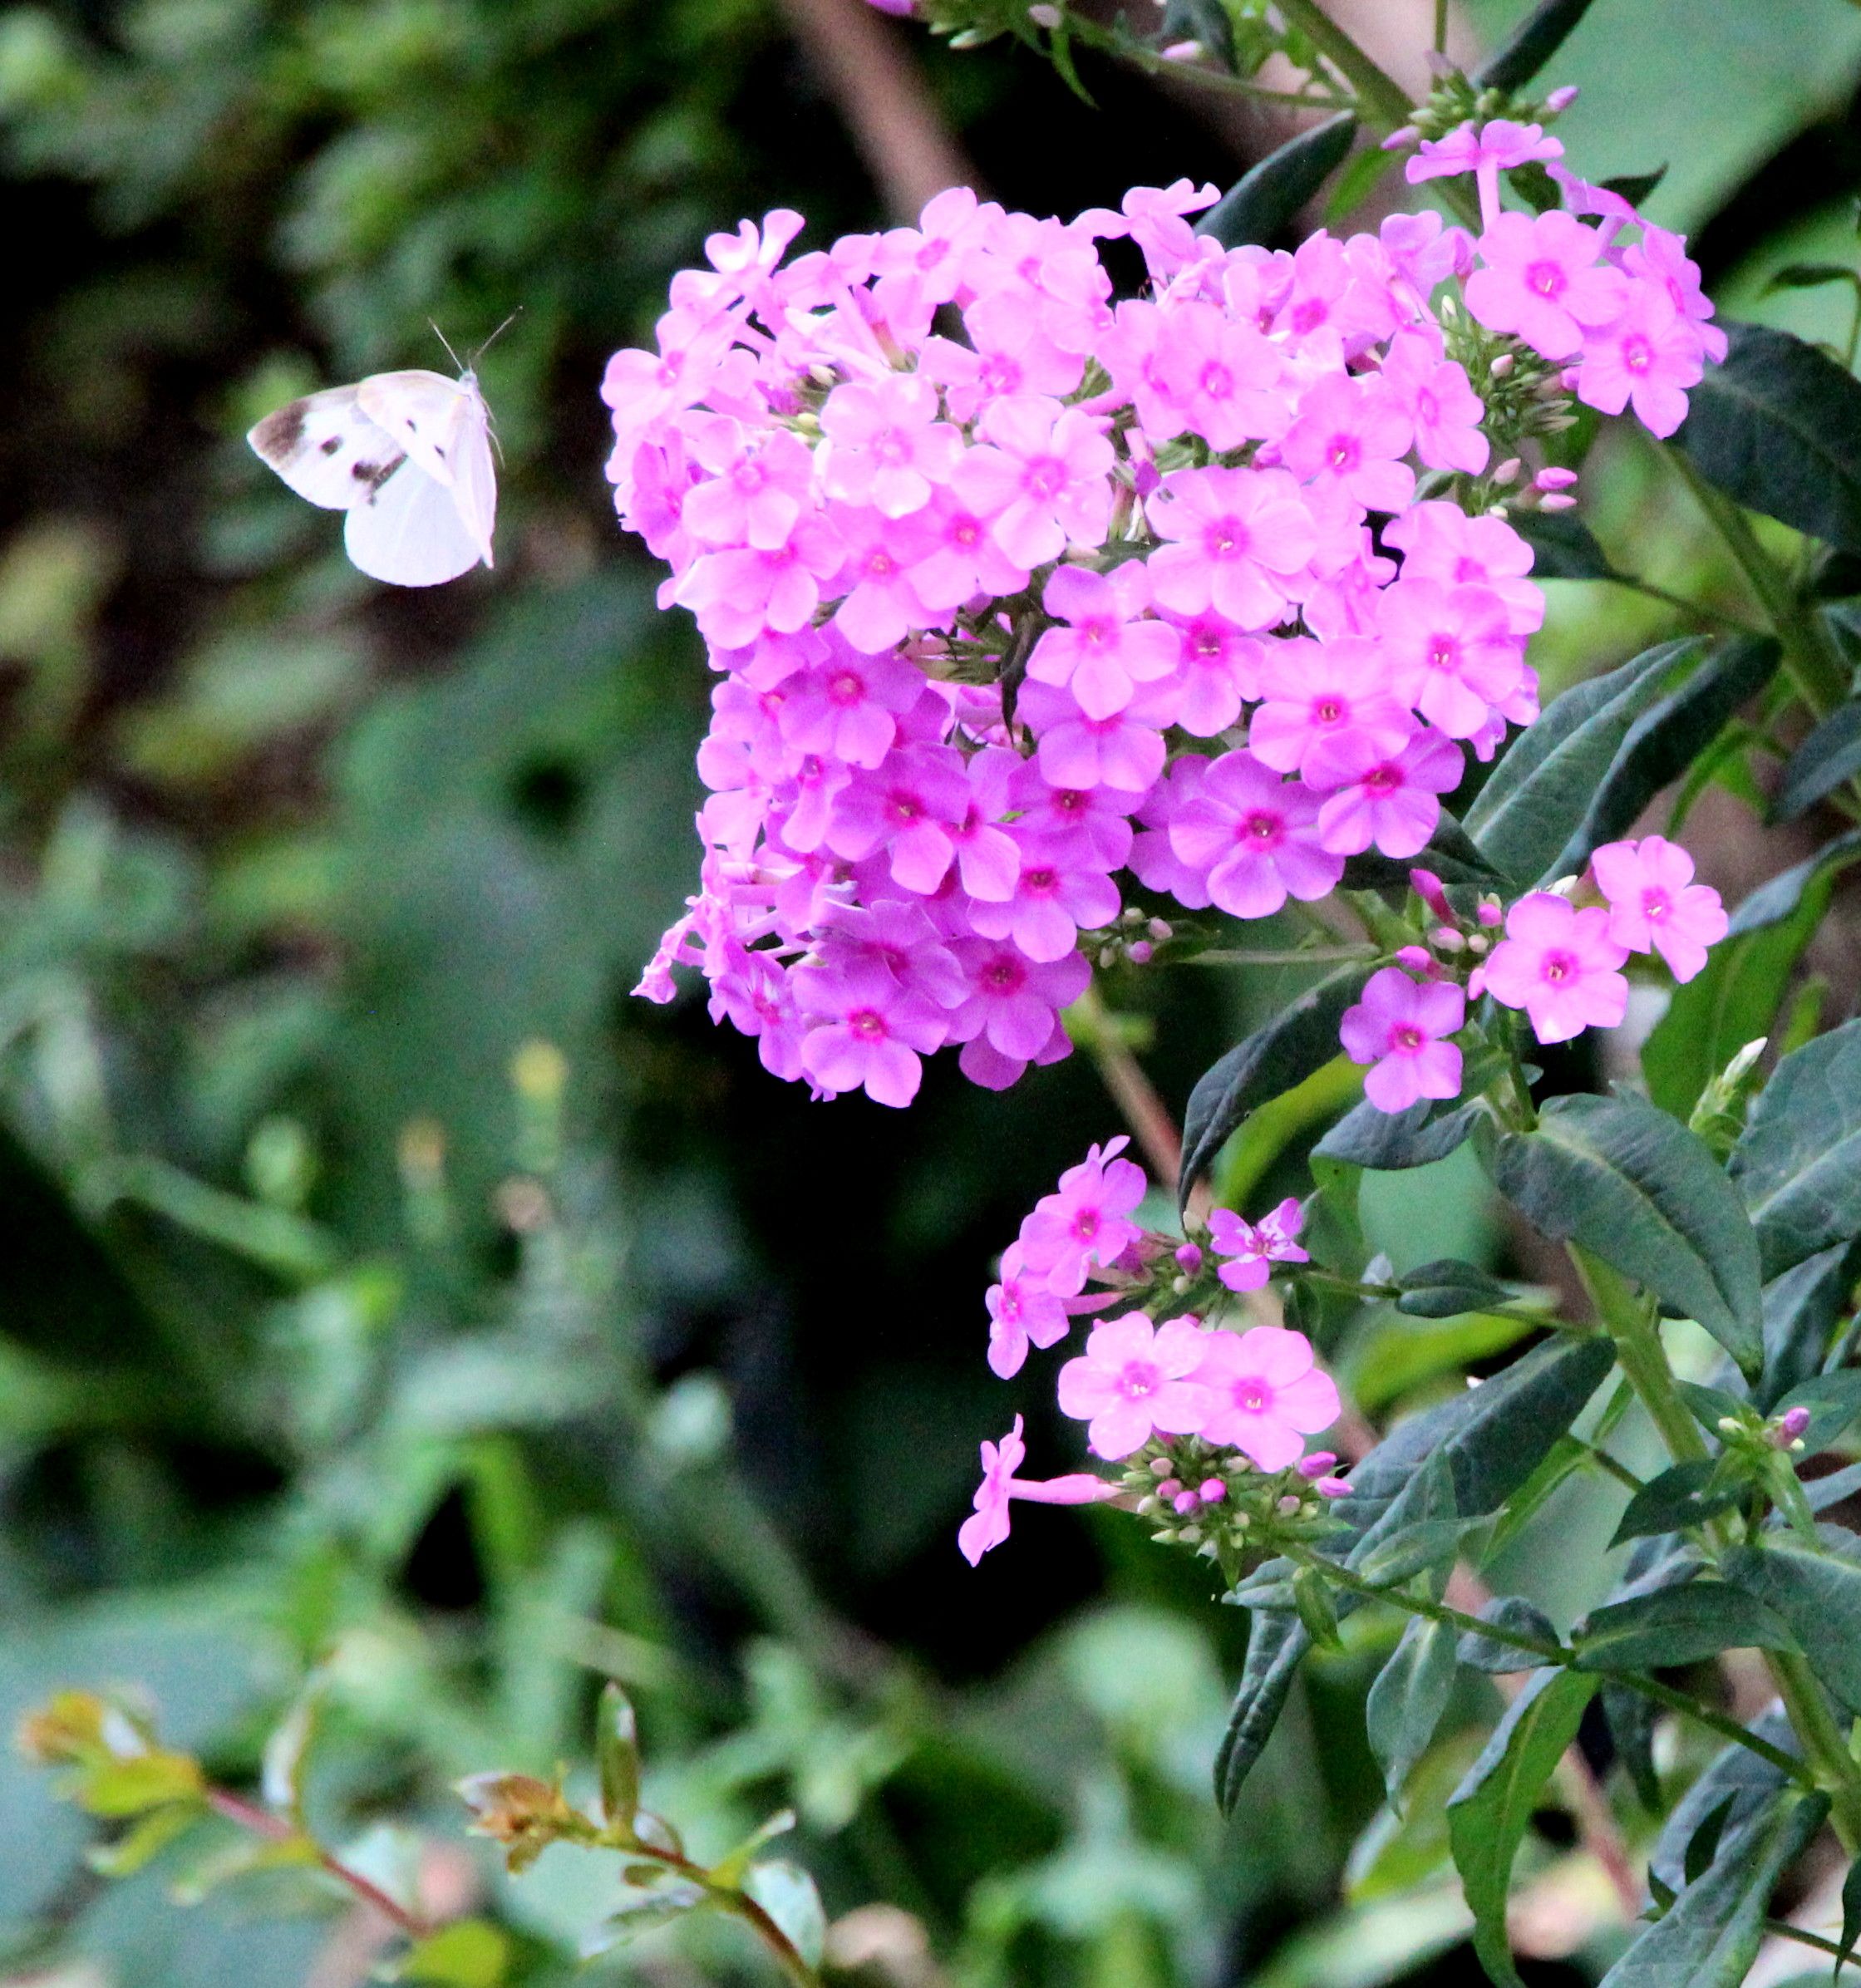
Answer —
(1515, 1614)
(1204, 21)
(1267, 198)
(1851, 1912)
(1772, 902)
(1408, 1698)
(1383, 1140)
(1664, 741)
(1711, 1935)
(1830, 757)
(1447, 1287)
(1811, 276)
(1490, 1812)
(1311, 1599)
(1676, 1626)
(1820, 1597)
(1533, 43)
(1800, 1310)
(1300, 1039)
(1451, 854)
(1823, 1492)
(1754, 1784)
(1425, 1542)
(1777, 427)
(1703, 1846)
(1541, 791)
(1631, 1718)
(1680, 1496)
(1634, 188)
(1637, 1189)
(469, 1953)
(1565, 548)
(1799, 1159)
(1275, 1649)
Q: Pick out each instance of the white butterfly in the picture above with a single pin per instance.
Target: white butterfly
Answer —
(408, 456)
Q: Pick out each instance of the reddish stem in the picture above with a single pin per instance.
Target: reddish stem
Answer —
(262, 1822)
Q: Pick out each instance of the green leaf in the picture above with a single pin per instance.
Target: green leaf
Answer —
(1424, 1543)
(1514, 1613)
(1406, 1701)
(1450, 853)
(1665, 740)
(1851, 1912)
(1631, 1719)
(1301, 1038)
(1634, 188)
(1754, 1784)
(1800, 1309)
(1811, 276)
(640, 1912)
(1311, 1599)
(1267, 198)
(1777, 427)
(1799, 1159)
(1703, 1846)
(1490, 1812)
(730, 1869)
(787, 1893)
(1397, 1355)
(1532, 44)
(1820, 1598)
(1681, 1495)
(1492, 1437)
(1736, 1000)
(1827, 758)
(469, 1953)
(1676, 1626)
(146, 1838)
(131, 1785)
(1564, 547)
(616, 1755)
(1711, 1935)
(1541, 791)
(1385, 1140)
(1628, 1183)
(1447, 1287)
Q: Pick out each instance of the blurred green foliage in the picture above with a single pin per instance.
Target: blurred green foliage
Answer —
(348, 1343)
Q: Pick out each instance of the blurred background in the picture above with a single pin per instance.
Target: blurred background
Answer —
(384, 1289)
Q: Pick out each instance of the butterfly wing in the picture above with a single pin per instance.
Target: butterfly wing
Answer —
(409, 531)
(474, 481)
(427, 415)
(327, 448)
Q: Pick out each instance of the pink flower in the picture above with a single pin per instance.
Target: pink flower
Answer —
(875, 1033)
(1389, 799)
(1054, 895)
(886, 445)
(956, 557)
(1022, 1312)
(1654, 902)
(1087, 1221)
(1453, 654)
(1255, 837)
(1560, 965)
(1662, 258)
(1443, 410)
(1107, 651)
(988, 1525)
(1650, 355)
(1133, 1379)
(1541, 281)
(1349, 434)
(1253, 1246)
(757, 486)
(1397, 1028)
(1124, 750)
(848, 707)
(1220, 373)
(1217, 668)
(1042, 477)
(1321, 693)
(1267, 1394)
(906, 806)
(882, 606)
(1010, 1000)
(1239, 539)
(1484, 151)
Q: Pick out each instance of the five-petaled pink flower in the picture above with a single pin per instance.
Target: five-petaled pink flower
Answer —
(1655, 904)
(1133, 1378)
(1236, 541)
(1397, 1028)
(988, 1526)
(1087, 1221)
(1022, 1312)
(1103, 650)
(1544, 279)
(1265, 1394)
(1561, 965)
(1252, 1247)
(1255, 837)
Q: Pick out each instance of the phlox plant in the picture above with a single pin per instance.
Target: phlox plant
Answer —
(1079, 589)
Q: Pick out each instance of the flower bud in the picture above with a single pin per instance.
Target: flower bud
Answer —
(1161, 1466)
(1171, 1487)
(1557, 501)
(1190, 1535)
(1447, 939)
(1139, 950)
(1561, 98)
(1490, 913)
(1508, 470)
(1401, 138)
(1501, 366)
(1332, 1486)
(1160, 929)
(1555, 479)
(1288, 1506)
(1184, 1503)
(1417, 959)
(1316, 1464)
(1189, 1256)
(1211, 1490)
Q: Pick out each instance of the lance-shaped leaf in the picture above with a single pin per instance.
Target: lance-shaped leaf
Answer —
(1516, 1616)
(1384, 1140)
(1536, 39)
(1447, 1287)
(1676, 1625)
(1751, 1781)
(1268, 197)
(1827, 758)
(1301, 1038)
(1629, 1184)
(1563, 547)
(617, 1754)
(1491, 1438)
(1710, 1935)
(1406, 1701)
(1540, 792)
(1683, 1495)
(1798, 1159)
(1663, 742)
(1820, 1597)
(1777, 427)
(1488, 1812)
(1800, 1309)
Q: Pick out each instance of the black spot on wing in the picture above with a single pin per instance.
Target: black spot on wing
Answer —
(279, 433)
(330, 443)
(375, 474)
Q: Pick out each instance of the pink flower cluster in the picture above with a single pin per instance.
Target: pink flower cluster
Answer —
(1087, 593)
(1628, 316)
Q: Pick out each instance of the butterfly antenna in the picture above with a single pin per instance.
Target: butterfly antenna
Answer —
(445, 341)
(497, 335)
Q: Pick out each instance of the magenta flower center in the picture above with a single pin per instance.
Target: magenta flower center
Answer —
(1637, 354)
(1327, 710)
(1086, 1224)
(1099, 631)
(1003, 976)
(1408, 1037)
(1444, 652)
(1383, 779)
(1218, 383)
(1545, 279)
(1557, 967)
(1039, 883)
(1308, 316)
(879, 565)
(1262, 828)
(1655, 904)
(845, 688)
(1252, 1396)
(1428, 409)
(868, 1023)
(892, 447)
(1137, 1380)
(965, 531)
(1046, 478)
(1342, 453)
(906, 807)
(1227, 539)
(749, 476)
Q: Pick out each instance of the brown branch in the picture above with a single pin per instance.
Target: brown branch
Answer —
(865, 66)
(261, 1821)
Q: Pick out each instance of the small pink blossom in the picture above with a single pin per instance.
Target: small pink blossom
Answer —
(874, 1035)
(1267, 1394)
(1649, 355)
(1452, 652)
(886, 443)
(1041, 476)
(1238, 540)
(1087, 1221)
(1133, 1379)
(1022, 1312)
(1103, 650)
(1390, 800)
(1350, 435)
(1655, 904)
(1013, 1000)
(1443, 411)
(1398, 1027)
(1251, 1246)
(1255, 837)
(1541, 280)
(1317, 694)
(1560, 965)
(988, 1526)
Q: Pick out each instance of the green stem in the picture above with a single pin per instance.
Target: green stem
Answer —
(1832, 1765)
(1784, 1931)
(1126, 48)
(1285, 955)
(1378, 92)
(1721, 1723)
